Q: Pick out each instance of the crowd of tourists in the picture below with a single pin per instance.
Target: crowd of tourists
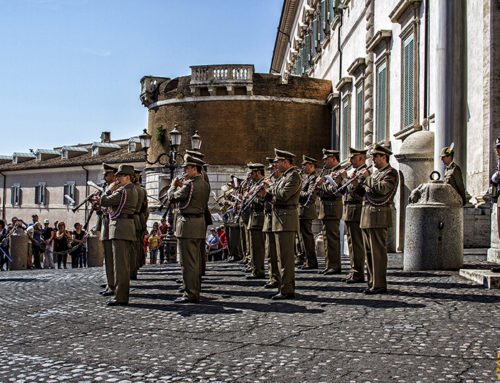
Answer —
(49, 246)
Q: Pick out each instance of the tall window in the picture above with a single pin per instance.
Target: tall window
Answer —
(322, 21)
(359, 117)
(408, 82)
(69, 191)
(307, 50)
(314, 45)
(15, 195)
(381, 101)
(331, 10)
(40, 194)
(344, 144)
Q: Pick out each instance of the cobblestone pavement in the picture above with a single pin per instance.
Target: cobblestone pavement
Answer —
(430, 327)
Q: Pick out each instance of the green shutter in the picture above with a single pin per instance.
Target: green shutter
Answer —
(408, 82)
(314, 38)
(359, 118)
(307, 51)
(331, 10)
(381, 102)
(322, 21)
(345, 129)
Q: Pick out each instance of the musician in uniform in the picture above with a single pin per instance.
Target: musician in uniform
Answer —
(234, 240)
(495, 181)
(330, 212)
(255, 223)
(307, 212)
(376, 216)
(243, 221)
(192, 196)
(452, 172)
(121, 198)
(140, 219)
(267, 229)
(353, 200)
(284, 194)
(102, 225)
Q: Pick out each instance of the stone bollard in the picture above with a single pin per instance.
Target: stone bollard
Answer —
(434, 228)
(95, 251)
(18, 250)
(319, 246)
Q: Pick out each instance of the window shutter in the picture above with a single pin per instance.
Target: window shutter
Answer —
(408, 84)
(37, 195)
(381, 103)
(308, 50)
(359, 118)
(42, 194)
(13, 195)
(314, 47)
(65, 192)
(345, 128)
(322, 21)
(331, 10)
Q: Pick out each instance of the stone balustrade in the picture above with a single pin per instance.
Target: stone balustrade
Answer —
(228, 76)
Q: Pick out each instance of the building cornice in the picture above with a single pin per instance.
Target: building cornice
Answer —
(288, 14)
(378, 38)
(401, 8)
(344, 81)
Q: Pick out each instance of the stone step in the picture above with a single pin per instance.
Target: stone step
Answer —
(483, 277)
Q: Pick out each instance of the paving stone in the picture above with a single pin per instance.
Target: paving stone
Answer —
(430, 327)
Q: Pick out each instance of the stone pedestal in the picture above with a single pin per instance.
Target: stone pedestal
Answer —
(18, 250)
(95, 251)
(434, 229)
(477, 226)
(494, 250)
(416, 162)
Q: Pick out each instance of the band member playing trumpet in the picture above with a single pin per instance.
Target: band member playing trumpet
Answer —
(376, 216)
(307, 212)
(330, 212)
(284, 194)
(192, 196)
(353, 201)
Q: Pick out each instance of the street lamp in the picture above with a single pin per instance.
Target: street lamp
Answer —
(171, 155)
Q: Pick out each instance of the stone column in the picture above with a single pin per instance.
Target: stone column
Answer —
(451, 83)
(369, 82)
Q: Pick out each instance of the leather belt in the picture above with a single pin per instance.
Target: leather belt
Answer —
(352, 203)
(127, 216)
(286, 207)
(193, 215)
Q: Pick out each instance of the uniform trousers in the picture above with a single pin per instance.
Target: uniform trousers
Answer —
(331, 237)
(285, 248)
(257, 246)
(121, 257)
(243, 241)
(109, 264)
(356, 249)
(375, 242)
(272, 258)
(134, 256)
(188, 250)
(307, 239)
(234, 241)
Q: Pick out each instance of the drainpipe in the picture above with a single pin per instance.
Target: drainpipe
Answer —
(4, 196)
(337, 130)
(86, 187)
(426, 61)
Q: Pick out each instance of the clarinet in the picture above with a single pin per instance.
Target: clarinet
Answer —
(323, 169)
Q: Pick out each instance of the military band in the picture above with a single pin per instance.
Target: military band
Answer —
(263, 215)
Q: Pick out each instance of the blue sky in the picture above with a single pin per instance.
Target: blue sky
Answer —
(70, 69)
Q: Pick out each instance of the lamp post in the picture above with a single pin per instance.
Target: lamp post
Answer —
(171, 165)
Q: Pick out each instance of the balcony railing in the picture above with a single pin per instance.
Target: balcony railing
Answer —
(221, 75)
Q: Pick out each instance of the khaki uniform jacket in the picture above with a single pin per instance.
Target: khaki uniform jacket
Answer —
(121, 227)
(140, 209)
(453, 177)
(256, 219)
(193, 201)
(380, 188)
(330, 206)
(309, 211)
(353, 203)
(285, 194)
(267, 226)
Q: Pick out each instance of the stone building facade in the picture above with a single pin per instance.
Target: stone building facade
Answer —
(36, 182)
(400, 69)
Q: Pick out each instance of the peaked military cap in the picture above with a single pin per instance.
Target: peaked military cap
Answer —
(109, 168)
(379, 149)
(193, 161)
(497, 142)
(255, 166)
(195, 153)
(308, 160)
(330, 153)
(447, 150)
(354, 152)
(125, 170)
(283, 155)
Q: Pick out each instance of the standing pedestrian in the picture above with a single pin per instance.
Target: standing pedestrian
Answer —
(48, 234)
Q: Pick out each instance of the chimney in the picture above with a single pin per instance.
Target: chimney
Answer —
(105, 137)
